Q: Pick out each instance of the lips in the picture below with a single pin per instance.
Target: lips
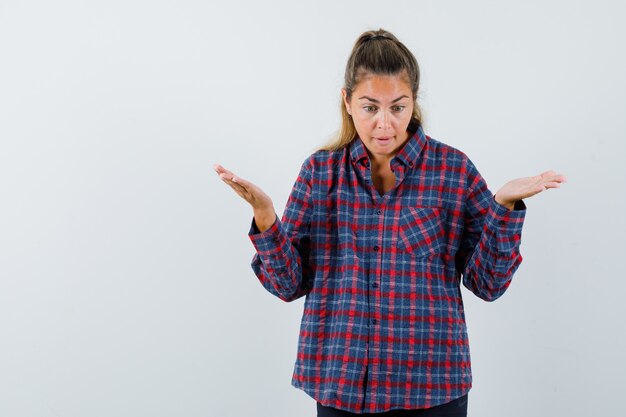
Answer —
(383, 140)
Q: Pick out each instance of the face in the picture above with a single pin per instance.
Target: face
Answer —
(381, 107)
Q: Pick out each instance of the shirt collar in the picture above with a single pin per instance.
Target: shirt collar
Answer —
(407, 155)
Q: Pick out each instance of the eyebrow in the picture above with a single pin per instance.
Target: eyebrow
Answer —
(373, 100)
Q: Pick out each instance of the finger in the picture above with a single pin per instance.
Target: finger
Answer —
(558, 179)
(553, 176)
(245, 183)
(242, 192)
(221, 170)
(232, 183)
(235, 182)
(552, 185)
(239, 181)
(547, 173)
(227, 176)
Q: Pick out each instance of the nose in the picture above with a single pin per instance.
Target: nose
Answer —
(383, 120)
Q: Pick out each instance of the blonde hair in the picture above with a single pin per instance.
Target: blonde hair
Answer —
(375, 52)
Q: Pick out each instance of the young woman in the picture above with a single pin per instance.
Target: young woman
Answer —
(380, 229)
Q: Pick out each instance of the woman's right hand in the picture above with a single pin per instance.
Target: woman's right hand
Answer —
(264, 214)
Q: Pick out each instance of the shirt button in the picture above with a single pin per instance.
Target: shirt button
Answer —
(374, 321)
(379, 212)
(376, 248)
(375, 285)
(367, 164)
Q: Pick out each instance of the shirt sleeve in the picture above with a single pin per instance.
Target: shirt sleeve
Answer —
(489, 251)
(282, 260)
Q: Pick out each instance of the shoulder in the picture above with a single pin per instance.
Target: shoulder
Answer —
(443, 150)
(453, 158)
(324, 160)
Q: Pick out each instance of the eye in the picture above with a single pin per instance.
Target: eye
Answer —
(398, 109)
(369, 109)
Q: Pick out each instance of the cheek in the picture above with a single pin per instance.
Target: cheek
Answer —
(403, 121)
(363, 123)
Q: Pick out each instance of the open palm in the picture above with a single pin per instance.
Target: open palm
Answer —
(521, 188)
(246, 190)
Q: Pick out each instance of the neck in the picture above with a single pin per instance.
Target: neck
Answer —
(384, 161)
(381, 162)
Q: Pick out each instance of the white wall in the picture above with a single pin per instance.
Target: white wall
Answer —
(125, 284)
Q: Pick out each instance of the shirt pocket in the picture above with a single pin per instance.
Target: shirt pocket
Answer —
(422, 231)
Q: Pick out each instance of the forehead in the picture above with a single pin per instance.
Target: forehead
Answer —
(382, 87)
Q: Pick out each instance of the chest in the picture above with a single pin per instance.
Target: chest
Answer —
(383, 181)
(417, 213)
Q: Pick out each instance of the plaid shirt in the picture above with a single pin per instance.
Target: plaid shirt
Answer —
(383, 325)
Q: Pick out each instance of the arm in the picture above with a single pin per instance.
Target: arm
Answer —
(281, 262)
(489, 252)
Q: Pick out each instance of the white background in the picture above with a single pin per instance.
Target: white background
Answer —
(125, 279)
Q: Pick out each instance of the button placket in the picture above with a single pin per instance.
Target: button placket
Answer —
(377, 246)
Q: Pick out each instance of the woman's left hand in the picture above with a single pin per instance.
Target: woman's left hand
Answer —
(521, 188)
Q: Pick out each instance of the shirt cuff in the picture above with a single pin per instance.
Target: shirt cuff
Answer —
(267, 242)
(507, 224)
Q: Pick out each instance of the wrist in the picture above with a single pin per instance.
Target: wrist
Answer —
(508, 204)
(264, 218)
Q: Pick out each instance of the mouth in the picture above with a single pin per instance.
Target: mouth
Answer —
(383, 139)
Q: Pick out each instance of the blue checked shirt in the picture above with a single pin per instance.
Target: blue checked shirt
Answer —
(383, 325)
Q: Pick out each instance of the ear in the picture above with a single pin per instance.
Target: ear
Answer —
(344, 95)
